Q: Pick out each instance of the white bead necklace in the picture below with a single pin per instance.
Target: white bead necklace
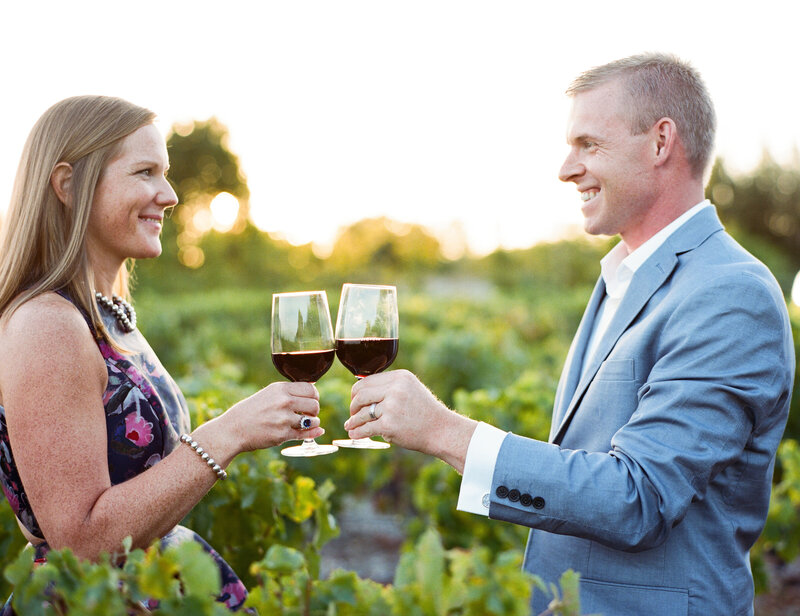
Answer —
(123, 312)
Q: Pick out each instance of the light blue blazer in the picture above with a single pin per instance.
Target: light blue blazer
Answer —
(656, 480)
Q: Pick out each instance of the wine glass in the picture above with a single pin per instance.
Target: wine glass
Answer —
(302, 348)
(366, 338)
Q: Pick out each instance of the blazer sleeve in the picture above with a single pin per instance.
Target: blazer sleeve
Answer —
(717, 395)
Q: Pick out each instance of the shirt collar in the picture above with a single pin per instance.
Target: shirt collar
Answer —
(618, 266)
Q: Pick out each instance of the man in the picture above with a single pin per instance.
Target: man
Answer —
(676, 389)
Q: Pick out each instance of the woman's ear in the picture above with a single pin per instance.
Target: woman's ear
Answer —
(61, 181)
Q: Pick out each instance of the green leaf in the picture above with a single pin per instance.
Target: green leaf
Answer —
(159, 575)
(21, 567)
(199, 574)
(284, 559)
(430, 570)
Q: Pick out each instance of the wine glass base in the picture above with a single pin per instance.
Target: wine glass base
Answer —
(307, 450)
(361, 443)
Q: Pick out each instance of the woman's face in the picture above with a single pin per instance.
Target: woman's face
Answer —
(129, 203)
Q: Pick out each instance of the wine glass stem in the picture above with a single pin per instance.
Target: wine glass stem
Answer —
(354, 441)
(310, 442)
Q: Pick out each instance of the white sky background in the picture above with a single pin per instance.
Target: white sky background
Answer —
(437, 112)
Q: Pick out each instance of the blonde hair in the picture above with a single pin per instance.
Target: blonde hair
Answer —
(660, 85)
(43, 243)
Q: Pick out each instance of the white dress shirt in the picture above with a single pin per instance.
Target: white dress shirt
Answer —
(617, 269)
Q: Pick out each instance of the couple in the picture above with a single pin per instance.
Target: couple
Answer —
(656, 479)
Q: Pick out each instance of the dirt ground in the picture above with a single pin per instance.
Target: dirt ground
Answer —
(783, 599)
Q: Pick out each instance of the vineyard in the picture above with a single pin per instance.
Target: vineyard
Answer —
(492, 352)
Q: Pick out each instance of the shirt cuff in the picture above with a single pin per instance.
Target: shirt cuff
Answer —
(476, 482)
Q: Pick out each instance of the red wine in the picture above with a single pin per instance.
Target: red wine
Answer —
(307, 366)
(365, 356)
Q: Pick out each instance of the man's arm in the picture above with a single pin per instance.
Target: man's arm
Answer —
(711, 408)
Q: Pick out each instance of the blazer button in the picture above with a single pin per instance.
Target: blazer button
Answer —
(538, 502)
(513, 495)
(501, 491)
(525, 500)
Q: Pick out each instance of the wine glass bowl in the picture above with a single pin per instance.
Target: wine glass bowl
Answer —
(302, 348)
(366, 338)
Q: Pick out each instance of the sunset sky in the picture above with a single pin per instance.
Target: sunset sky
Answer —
(450, 113)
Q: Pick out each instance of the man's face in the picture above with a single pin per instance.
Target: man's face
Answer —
(611, 167)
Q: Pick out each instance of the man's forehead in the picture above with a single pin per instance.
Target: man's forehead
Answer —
(594, 109)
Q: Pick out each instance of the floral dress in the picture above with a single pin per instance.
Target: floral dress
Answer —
(145, 415)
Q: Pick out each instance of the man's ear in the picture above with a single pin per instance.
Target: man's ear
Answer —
(666, 134)
(61, 181)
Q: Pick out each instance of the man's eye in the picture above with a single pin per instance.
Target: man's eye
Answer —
(589, 145)
(146, 172)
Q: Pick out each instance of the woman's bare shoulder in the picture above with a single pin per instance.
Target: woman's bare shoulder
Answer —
(40, 334)
(47, 315)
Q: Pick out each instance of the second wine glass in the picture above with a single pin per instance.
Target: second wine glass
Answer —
(366, 338)
(302, 348)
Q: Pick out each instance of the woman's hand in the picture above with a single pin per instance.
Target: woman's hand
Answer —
(271, 416)
(407, 414)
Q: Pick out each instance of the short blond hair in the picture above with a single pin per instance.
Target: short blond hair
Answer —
(659, 86)
(43, 244)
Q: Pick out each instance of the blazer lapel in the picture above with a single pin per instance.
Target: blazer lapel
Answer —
(647, 280)
(574, 362)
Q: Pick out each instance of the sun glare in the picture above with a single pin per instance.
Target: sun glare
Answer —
(224, 210)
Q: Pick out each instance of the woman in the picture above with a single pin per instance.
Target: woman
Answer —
(92, 445)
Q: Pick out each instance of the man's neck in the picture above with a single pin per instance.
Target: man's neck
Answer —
(670, 207)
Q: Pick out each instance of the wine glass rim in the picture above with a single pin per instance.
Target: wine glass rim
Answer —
(289, 293)
(371, 286)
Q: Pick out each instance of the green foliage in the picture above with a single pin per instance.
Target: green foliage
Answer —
(566, 599)
(376, 248)
(437, 582)
(793, 425)
(781, 535)
(202, 163)
(762, 209)
(183, 579)
(11, 541)
(562, 264)
(524, 408)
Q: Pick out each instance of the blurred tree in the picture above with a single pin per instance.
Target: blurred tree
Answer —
(762, 209)
(548, 265)
(375, 246)
(201, 166)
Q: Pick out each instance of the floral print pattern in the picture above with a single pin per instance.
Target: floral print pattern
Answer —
(137, 430)
(145, 415)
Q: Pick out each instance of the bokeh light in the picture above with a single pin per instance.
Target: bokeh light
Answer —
(224, 211)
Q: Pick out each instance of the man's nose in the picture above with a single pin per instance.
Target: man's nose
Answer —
(570, 169)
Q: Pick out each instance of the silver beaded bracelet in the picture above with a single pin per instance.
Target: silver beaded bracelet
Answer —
(221, 474)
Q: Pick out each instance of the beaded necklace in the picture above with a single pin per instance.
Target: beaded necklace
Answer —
(123, 312)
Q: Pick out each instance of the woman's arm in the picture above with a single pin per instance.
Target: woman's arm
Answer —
(52, 379)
